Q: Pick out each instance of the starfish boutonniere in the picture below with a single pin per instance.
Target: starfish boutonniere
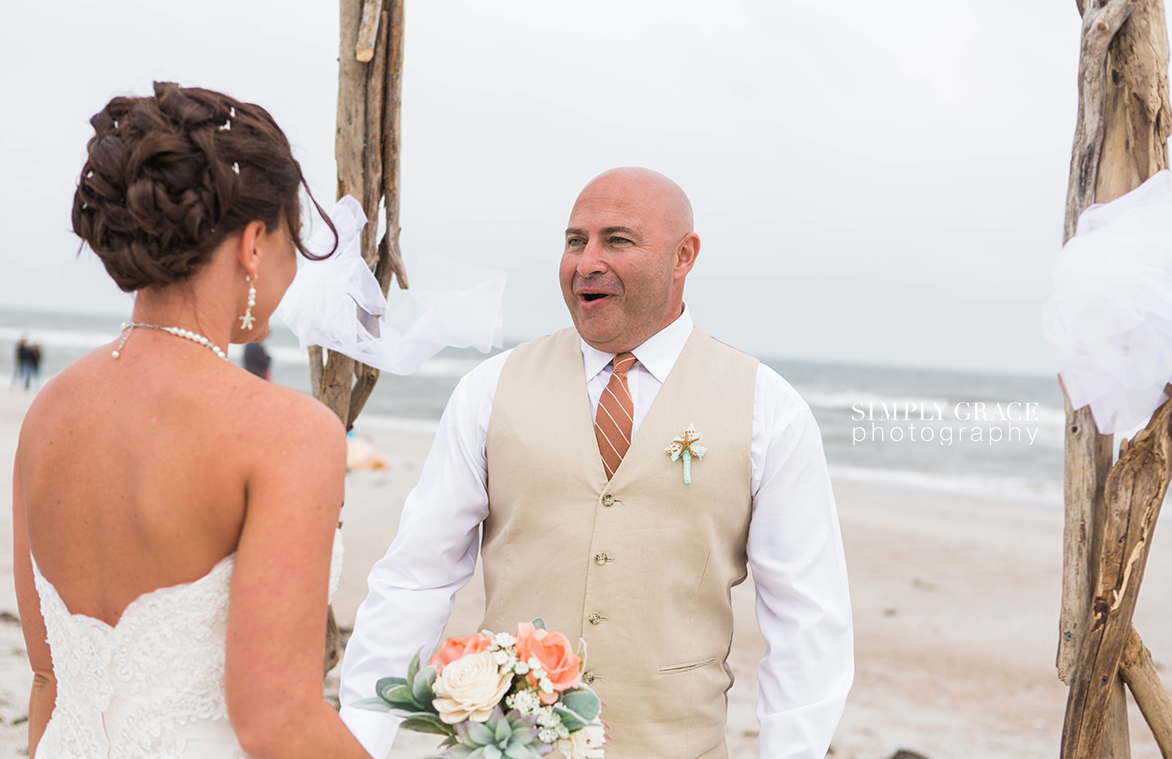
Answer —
(687, 447)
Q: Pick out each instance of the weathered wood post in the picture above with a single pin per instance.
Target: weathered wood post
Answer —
(1120, 140)
(370, 75)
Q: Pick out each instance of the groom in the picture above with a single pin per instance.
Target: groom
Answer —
(554, 452)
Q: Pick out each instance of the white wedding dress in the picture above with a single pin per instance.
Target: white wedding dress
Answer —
(152, 685)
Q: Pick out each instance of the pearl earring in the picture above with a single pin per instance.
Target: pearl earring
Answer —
(247, 320)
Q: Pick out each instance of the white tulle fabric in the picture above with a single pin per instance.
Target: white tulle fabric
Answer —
(448, 304)
(152, 685)
(1110, 317)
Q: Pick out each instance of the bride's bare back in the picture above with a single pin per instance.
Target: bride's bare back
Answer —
(145, 470)
(133, 471)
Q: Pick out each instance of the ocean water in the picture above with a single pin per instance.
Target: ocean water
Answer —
(987, 435)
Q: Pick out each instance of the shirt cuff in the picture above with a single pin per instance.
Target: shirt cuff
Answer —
(376, 731)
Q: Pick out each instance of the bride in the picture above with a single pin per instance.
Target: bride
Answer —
(173, 516)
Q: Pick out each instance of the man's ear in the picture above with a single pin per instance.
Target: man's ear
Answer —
(686, 253)
(249, 251)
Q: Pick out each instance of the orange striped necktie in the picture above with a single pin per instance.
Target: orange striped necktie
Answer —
(615, 416)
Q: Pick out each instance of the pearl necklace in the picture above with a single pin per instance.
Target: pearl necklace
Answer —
(195, 337)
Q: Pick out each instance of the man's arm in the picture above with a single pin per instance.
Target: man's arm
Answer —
(433, 555)
(796, 556)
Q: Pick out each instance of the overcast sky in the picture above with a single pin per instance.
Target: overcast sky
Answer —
(872, 183)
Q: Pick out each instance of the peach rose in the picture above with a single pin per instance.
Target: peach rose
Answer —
(458, 648)
(470, 688)
(552, 650)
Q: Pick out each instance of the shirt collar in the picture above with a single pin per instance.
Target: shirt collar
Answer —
(657, 354)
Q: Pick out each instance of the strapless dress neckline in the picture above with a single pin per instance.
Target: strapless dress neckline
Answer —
(152, 684)
(225, 564)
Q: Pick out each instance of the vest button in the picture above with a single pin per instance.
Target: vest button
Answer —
(595, 618)
(601, 559)
(587, 677)
(608, 500)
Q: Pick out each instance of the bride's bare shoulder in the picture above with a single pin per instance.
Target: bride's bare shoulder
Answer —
(284, 411)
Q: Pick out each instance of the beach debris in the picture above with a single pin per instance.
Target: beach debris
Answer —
(361, 454)
(8, 618)
(903, 753)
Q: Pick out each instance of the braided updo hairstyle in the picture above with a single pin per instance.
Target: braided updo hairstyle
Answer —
(169, 177)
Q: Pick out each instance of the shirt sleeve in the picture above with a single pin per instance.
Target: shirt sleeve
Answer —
(796, 556)
(412, 588)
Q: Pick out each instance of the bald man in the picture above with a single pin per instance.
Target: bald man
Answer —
(563, 461)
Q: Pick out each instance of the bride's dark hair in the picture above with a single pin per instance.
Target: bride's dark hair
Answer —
(169, 177)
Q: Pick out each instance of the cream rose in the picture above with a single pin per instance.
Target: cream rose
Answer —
(584, 744)
(469, 688)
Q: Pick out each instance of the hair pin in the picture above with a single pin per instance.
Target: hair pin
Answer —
(236, 167)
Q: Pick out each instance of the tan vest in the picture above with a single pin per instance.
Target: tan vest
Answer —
(640, 567)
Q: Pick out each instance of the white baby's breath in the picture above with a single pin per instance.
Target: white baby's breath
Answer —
(547, 717)
(525, 702)
(504, 640)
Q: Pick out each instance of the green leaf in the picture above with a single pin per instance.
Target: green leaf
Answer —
(400, 696)
(539, 623)
(410, 713)
(522, 751)
(459, 751)
(571, 719)
(492, 752)
(582, 652)
(479, 734)
(391, 680)
(583, 702)
(421, 686)
(373, 704)
(503, 731)
(428, 723)
(413, 667)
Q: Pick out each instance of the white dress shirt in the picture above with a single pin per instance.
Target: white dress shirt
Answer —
(794, 550)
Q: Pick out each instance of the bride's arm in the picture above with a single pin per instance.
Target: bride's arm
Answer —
(32, 624)
(277, 611)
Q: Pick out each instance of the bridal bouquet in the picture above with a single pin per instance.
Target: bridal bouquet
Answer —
(500, 696)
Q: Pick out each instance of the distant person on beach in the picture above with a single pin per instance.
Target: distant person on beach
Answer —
(24, 363)
(34, 359)
(257, 360)
(573, 463)
(174, 547)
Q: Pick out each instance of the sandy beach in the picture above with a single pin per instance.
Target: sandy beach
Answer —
(955, 607)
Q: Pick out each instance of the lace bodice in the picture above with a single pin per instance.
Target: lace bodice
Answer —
(153, 684)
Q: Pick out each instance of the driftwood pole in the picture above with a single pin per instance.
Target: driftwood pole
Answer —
(1120, 140)
(370, 75)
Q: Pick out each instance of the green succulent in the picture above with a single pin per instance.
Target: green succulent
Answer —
(502, 736)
